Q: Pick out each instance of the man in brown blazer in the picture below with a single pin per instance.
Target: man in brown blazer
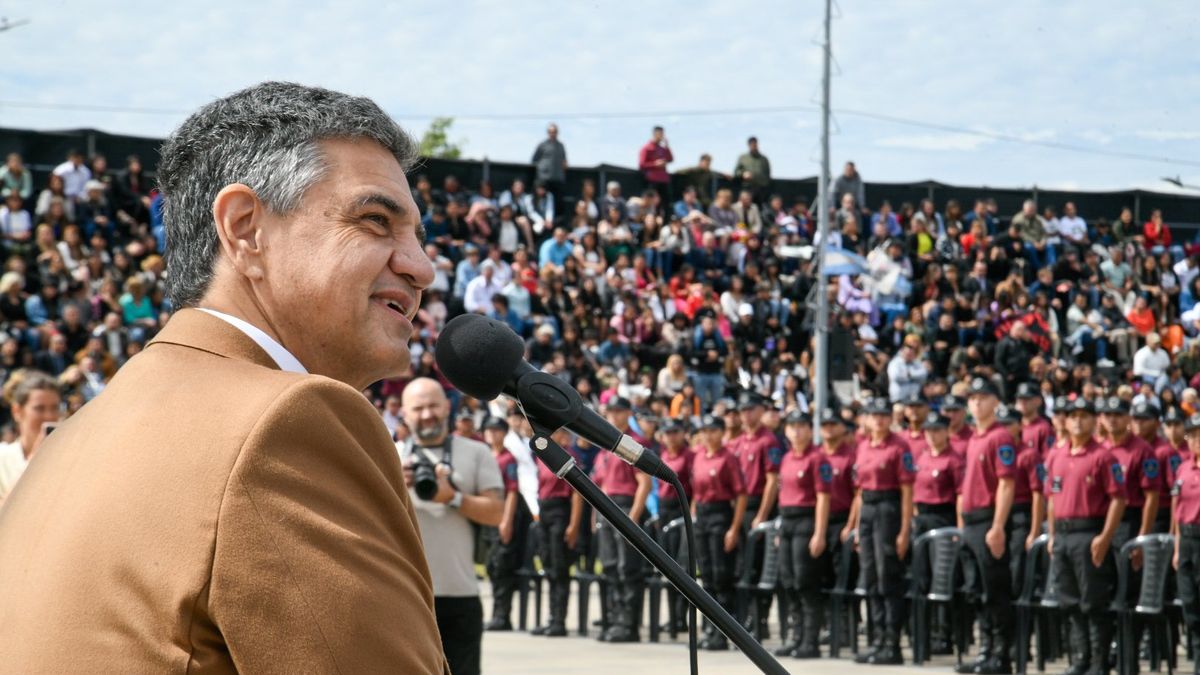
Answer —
(231, 502)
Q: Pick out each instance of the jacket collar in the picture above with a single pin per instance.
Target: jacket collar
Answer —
(203, 331)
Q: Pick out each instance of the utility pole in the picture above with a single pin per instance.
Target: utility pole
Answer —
(821, 325)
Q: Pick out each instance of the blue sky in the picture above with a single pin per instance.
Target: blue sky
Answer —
(1105, 75)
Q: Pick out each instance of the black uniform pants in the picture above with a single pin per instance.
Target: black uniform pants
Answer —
(882, 570)
(506, 559)
(1020, 519)
(798, 570)
(1085, 589)
(460, 624)
(623, 568)
(995, 576)
(1188, 578)
(713, 520)
(672, 542)
(555, 515)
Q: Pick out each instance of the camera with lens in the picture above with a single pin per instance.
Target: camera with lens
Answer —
(425, 480)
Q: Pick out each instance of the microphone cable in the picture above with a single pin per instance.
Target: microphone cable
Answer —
(693, 649)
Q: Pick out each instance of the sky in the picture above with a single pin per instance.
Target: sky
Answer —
(1102, 94)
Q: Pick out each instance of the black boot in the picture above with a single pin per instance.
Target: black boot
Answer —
(763, 603)
(878, 619)
(1100, 635)
(810, 617)
(889, 653)
(559, 594)
(985, 655)
(795, 624)
(1081, 651)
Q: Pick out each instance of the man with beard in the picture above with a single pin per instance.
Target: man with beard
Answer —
(469, 489)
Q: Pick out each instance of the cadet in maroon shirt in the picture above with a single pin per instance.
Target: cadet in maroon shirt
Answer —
(1186, 497)
(835, 498)
(955, 410)
(1086, 497)
(560, 510)
(1159, 434)
(509, 552)
(797, 505)
(987, 496)
(1029, 508)
(939, 474)
(1036, 431)
(622, 565)
(916, 409)
(677, 456)
(1172, 454)
(759, 452)
(884, 470)
(1143, 477)
(718, 509)
(1058, 420)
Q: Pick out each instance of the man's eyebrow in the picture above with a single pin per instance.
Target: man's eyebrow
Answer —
(377, 199)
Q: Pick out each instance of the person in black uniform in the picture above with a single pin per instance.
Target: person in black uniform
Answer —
(720, 503)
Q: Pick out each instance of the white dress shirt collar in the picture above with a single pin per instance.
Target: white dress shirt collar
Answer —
(282, 357)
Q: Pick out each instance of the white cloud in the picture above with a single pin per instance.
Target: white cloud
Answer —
(1095, 136)
(936, 142)
(1163, 135)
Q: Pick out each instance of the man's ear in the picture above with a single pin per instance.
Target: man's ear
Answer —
(238, 216)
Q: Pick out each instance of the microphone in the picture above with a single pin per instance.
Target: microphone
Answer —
(484, 358)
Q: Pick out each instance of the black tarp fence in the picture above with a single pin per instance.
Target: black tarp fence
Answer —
(43, 150)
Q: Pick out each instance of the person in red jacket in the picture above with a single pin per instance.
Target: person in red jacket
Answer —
(884, 471)
(1186, 494)
(653, 159)
(1156, 236)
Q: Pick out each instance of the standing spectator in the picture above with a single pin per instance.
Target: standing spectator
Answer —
(701, 178)
(550, 163)
(753, 169)
(653, 159)
(708, 352)
(851, 183)
(74, 174)
(14, 177)
(1012, 357)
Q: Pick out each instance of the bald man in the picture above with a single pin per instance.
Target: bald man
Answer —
(469, 490)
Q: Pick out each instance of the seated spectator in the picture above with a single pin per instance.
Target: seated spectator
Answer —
(74, 175)
(15, 178)
(136, 309)
(95, 213)
(1151, 362)
(555, 250)
(16, 225)
(721, 212)
(747, 212)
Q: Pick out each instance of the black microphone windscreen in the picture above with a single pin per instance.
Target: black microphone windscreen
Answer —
(478, 355)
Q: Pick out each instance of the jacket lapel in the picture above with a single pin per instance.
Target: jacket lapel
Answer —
(203, 331)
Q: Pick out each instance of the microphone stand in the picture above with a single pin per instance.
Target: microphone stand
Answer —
(563, 465)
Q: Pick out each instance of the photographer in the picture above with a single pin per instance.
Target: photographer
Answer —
(454, 482)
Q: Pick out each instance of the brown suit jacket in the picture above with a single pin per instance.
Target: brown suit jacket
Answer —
(208, 513)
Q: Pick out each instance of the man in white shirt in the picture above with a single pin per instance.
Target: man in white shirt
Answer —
(392, 415)
(1152, 361)
(74, 174)
(1073, 228)
(906, 373)
(1186, 270)
(478, 297)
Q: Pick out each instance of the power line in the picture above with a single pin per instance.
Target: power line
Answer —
(659, 114)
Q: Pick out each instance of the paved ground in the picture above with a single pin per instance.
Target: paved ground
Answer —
(518, 653)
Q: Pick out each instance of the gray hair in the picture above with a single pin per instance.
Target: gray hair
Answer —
(266, 137)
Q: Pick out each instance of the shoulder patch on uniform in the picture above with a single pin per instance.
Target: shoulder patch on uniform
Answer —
(826, 473)
(775, 455)
(1150, 467)
(1175, 461)
(510, 471)
(1041, 472)
(1007, 455)
(909, 465)
(1117, 473)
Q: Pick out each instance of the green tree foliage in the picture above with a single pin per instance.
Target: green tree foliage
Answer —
(436, 143)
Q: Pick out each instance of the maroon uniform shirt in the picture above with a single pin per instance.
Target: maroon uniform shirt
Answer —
(798, 477)
(1186, 490)
(681, 464)
(1028, 476)
(938, 477)
(883, 466)
(991, 455)
(835, 473)
(758, 454)
(508, 470)
(1139, 466)
(1170, 458)
(916, 441)
(1081, 484)
(551, 486)
(716, 478)
(1037, 435)
(959, 440)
